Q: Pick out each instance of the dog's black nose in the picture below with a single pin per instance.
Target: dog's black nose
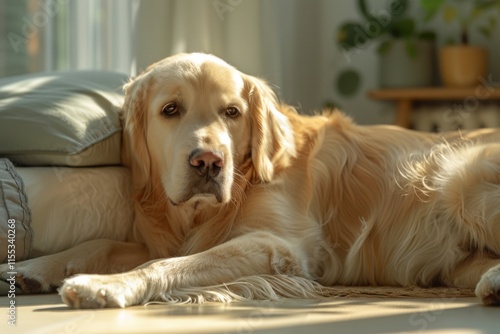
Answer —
(208, 163)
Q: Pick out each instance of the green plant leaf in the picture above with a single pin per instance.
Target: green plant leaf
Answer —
(450, 13)
(398, 8)
(350, 34)
(348, 82)
(364, 10)
(427, 35)
(331, 105)
(476, 12)
(431, 7)
(403, 28)
(411, 48)
(485, 31)
(486, 4)
(492, 22)
(481, 7)
(450, 41)
(384, 47)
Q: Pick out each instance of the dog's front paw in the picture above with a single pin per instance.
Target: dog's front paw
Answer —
(97, 291)
(488, 288)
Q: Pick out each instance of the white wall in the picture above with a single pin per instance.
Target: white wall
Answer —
(358, 106)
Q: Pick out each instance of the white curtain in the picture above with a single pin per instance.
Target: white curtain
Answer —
(283, 41)
(229, 29)
(91, 34)
(100, 34)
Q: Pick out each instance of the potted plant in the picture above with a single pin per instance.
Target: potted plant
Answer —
(405, 54)
(462, 64)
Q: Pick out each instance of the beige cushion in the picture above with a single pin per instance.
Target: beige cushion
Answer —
(63, 118)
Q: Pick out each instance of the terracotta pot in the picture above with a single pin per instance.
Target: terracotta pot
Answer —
(462, 65)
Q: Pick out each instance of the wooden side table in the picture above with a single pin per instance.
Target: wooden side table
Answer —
(404, 97)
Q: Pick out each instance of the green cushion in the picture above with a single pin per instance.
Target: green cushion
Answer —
(61, 118)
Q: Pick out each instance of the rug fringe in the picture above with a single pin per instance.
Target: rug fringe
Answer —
(398, 292)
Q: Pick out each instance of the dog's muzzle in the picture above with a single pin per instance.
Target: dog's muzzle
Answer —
(206, 177)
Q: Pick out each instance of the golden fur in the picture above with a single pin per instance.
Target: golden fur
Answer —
(300, 203)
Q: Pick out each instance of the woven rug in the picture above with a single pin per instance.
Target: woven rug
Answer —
(400, 292)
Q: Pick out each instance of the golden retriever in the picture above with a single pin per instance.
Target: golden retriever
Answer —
(240, 197)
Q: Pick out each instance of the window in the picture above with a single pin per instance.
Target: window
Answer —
(46, 35)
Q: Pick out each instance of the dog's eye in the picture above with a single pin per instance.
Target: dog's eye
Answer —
(232, 112)
(170, 109)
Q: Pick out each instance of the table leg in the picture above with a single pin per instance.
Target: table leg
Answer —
(403, 113)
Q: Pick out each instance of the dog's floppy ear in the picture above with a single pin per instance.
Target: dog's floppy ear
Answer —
(134, 116)
(273, 144)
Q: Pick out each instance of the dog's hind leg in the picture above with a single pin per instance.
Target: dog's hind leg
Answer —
(469, 186)
(473, 193)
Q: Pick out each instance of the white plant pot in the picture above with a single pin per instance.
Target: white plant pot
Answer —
(398, 69)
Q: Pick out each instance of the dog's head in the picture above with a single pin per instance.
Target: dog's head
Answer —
(192, 120)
